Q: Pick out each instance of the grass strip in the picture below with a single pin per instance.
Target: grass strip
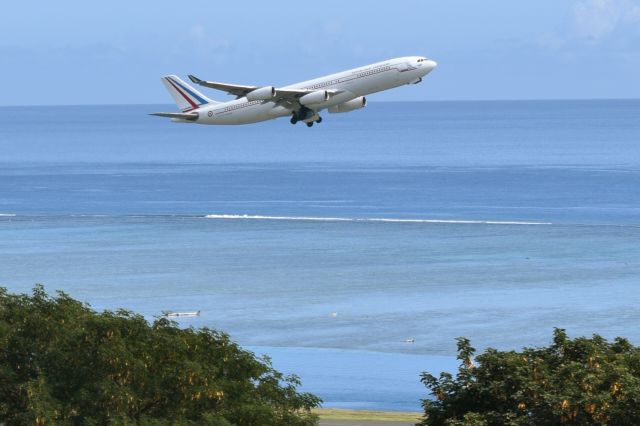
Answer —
(380, 416)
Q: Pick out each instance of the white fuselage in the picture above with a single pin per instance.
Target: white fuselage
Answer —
(347, 85)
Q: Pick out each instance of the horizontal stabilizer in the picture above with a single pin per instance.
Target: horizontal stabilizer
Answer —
(191, 116)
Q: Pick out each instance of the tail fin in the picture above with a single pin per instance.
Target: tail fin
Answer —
(185, 96)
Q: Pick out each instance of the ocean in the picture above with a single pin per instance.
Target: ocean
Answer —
(352, 253)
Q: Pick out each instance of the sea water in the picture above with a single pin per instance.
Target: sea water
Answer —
(352, 253)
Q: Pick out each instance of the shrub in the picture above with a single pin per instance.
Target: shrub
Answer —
(578, 382)
(63, 363)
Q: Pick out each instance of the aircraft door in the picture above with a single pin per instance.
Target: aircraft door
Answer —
(402, 68)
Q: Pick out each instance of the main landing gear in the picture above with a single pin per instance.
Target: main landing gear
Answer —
(318, 120)
(306, 115)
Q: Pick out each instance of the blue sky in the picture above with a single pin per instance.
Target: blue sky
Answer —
(78, 52)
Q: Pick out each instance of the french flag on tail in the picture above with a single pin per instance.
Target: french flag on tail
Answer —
(185, 96)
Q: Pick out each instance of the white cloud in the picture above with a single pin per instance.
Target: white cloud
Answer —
(201, 39)
(595, 19)
(612, 23)
(198, 33)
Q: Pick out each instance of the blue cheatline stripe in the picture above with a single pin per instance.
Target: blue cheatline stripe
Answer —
(200, 99)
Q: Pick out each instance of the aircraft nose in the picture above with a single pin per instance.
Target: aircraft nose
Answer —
(430, 65)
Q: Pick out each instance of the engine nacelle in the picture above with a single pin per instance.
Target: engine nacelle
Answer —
(356, 103)
(262, 94)
(316, 97)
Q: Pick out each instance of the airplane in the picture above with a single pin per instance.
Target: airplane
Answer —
(338, 93)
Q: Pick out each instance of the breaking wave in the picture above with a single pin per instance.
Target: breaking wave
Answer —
(366, 219)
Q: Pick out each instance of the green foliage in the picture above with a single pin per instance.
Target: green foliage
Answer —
(574, 382)
(63, 363)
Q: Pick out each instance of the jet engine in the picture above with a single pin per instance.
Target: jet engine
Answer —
(356, 103)
(262, 94)
(316, 97)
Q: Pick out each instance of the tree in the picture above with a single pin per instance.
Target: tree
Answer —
(63, 363)
(574, 382)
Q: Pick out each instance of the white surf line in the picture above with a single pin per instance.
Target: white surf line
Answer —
(468, 222)
(355, 219)
(7, 215)
(291, 218)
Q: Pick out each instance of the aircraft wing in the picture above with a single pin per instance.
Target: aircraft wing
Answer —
(239, 90)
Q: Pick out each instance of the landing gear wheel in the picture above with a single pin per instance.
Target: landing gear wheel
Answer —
(294, 120)
(319, 120)
(309, 124)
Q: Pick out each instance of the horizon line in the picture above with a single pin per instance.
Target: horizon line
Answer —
(383, 101)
